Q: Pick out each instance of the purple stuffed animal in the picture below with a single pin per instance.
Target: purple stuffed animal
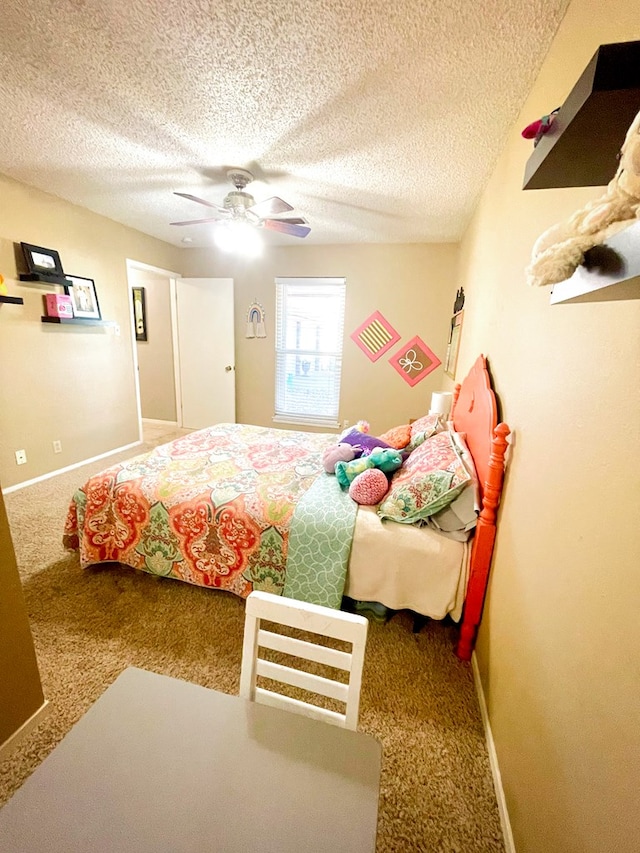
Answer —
(338, 453)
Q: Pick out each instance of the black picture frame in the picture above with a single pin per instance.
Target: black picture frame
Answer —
(139, 312)
(83, 296)
(41, 261)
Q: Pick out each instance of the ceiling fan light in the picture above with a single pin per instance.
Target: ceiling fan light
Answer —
(237, 238)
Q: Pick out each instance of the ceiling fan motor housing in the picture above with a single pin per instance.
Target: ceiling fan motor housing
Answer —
(238, 202)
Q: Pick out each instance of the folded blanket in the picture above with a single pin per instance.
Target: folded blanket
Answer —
(320, 543)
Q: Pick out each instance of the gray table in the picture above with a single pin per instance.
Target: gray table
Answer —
(159, 765)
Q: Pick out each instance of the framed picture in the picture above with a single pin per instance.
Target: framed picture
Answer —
(453, 346)
(414, 360)
(41, 260)
(83, 297)
(140, 312)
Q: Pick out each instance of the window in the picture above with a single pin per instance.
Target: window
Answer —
(309, 329)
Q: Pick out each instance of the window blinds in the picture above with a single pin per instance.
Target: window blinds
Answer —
(309, 331)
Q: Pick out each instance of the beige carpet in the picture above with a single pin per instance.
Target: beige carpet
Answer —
(418, 699)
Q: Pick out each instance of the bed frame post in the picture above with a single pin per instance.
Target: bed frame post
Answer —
(482, 548)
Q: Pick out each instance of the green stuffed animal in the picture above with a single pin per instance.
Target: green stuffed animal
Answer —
(387, 459)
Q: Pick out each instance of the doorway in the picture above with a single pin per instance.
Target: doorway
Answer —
(183, 347)
(154, 334)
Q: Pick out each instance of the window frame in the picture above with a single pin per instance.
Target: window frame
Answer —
(281, 352)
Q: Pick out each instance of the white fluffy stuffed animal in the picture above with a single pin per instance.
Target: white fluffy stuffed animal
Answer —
(560, 250)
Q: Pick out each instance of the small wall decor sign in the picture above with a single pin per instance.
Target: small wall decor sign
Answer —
(375, 336)
(83, 296)
(255, 321)
(139, 312)
(414, 361)
(58, 305)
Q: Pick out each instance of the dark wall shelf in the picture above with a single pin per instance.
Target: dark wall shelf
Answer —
(41, 278)
(581, 149)
(13, 300)
(77, 321)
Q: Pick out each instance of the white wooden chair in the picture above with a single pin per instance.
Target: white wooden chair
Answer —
(314, 619)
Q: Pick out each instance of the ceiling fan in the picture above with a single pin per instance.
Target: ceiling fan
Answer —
(239, 205)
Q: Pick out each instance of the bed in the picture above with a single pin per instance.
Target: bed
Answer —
(239, 507)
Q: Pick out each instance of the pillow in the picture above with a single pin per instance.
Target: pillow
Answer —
(397, 437)
(459, 439)
(369, 487)
(362, 439)
(424, 428)
(458, 520)
(431, 478)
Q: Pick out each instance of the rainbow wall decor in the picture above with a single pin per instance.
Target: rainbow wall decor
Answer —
(375, 336)
(255, 321)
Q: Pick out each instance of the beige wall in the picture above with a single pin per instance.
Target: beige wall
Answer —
(20, 688)
(410, 284)
(75, 384)
(560, 641)
(155, 355)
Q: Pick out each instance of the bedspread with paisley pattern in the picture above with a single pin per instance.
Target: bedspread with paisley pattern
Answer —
(212, 508)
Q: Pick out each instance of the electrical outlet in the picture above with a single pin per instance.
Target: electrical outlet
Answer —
(21, 457)
(57, 446)
(345, 423)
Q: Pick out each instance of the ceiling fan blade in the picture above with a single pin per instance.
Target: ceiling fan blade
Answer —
(201, 201)
(286, 227)
(196, 221)
(294, 220)
(270, 207)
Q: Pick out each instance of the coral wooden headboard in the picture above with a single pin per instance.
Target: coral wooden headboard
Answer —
(475, 413)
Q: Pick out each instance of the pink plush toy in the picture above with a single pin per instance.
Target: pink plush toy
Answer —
(337, 453)
(369, 487)
(537, 129)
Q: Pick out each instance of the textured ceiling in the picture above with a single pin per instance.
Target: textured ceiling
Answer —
(378, 120)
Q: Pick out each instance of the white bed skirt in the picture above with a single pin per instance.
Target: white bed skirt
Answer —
(406, 566)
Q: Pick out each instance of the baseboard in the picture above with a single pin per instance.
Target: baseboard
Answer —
(34, 720)
(509, 845)
(48, 476)
(156, 421)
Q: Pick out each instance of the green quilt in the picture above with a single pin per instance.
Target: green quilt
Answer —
(320, 543)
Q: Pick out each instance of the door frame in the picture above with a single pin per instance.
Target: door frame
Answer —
(173, 277)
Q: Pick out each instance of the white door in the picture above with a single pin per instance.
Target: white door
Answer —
(206, 351)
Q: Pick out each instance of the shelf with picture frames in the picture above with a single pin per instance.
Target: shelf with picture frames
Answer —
(78, 321)
(43, 278)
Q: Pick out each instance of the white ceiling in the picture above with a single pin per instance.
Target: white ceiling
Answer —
(378, 120)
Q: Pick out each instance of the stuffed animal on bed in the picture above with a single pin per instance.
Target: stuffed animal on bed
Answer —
(387, 459)
(338, 453)
(369, 488)
(362, 441)
(560, 250)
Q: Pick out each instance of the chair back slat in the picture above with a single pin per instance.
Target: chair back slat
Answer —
(304, 680)
(305, 616)
(286, 703)
(303, 649)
